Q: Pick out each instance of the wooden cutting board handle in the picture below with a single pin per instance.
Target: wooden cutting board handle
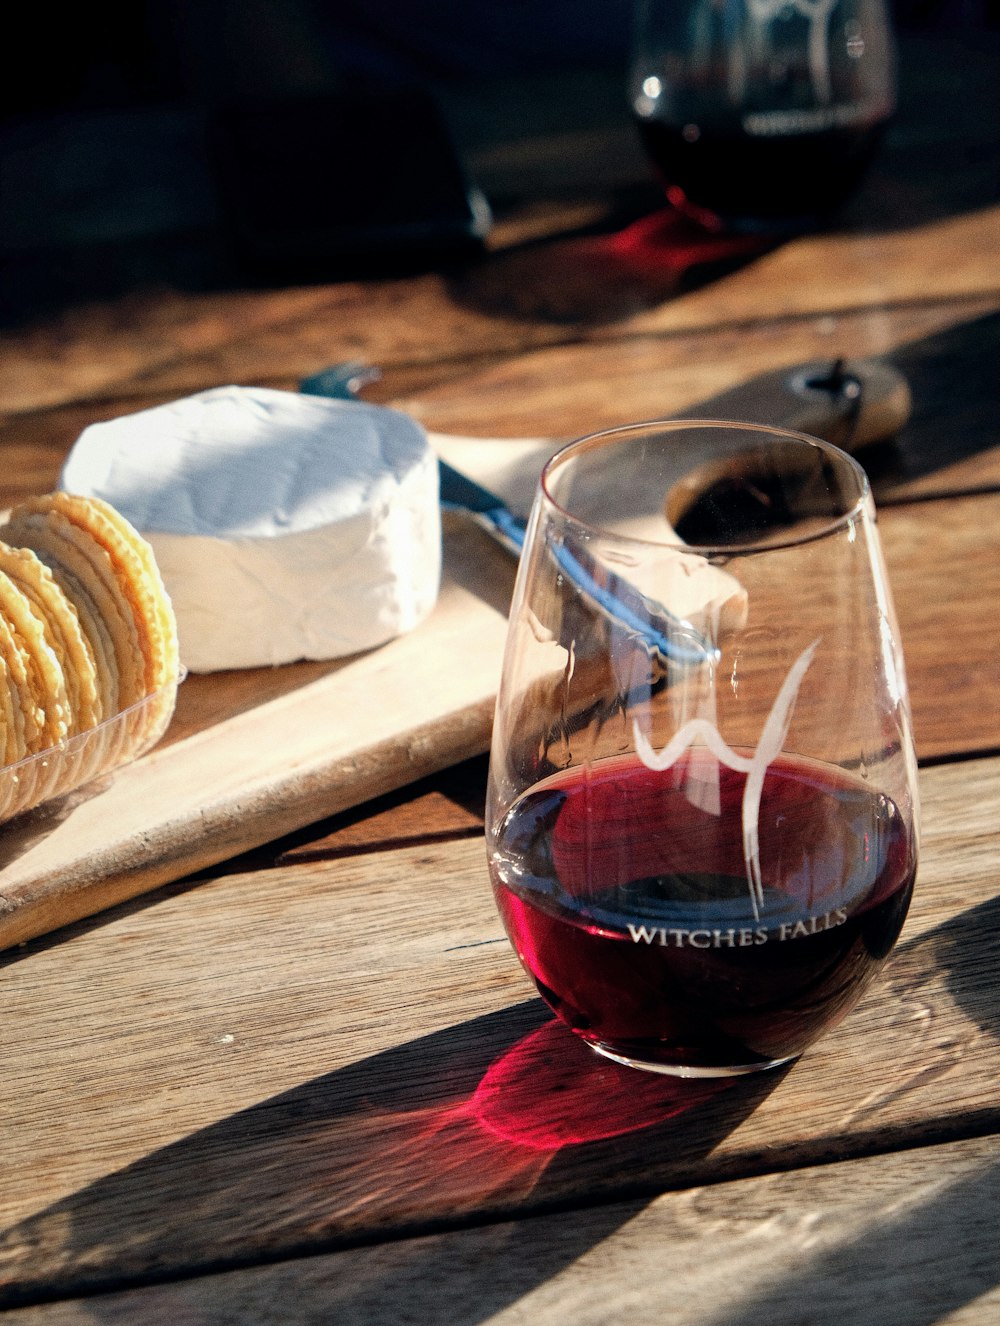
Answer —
(852, 404)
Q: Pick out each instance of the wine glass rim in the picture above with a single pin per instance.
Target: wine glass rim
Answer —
(590, 441)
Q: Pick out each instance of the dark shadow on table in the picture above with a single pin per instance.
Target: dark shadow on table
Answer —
(113, 199)
(943, 1254)
(912, 1270)
(953, 381)
(966, 951)
(599, 276)
(939, 1255)
(927, 1258)
(504, 1114)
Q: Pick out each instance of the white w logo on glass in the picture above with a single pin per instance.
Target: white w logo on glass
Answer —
(769, 746)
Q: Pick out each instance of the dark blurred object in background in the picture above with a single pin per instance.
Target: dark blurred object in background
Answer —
(762, 118)
(353, 181)
(118, 53)
(107, 177)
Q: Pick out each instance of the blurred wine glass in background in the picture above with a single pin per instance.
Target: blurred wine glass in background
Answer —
(762, 114)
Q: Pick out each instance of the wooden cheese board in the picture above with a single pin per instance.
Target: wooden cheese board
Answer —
(251, 756)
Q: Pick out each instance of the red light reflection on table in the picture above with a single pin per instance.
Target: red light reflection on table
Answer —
(357, 1164)
(597, 278)
(669, 240)
(550, 1090)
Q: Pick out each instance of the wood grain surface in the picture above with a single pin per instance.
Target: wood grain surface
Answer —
(947, 352)
(286, 1060)
(604, 289)
(783, 1248)
(310, 1082)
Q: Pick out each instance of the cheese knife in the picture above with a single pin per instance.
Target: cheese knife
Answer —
(851, 403)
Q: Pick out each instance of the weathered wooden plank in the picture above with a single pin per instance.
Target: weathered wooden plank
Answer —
(280, 1061)
(946, 351)
(953, 659)
(810, 1245)
(449, 804)
(169, 344)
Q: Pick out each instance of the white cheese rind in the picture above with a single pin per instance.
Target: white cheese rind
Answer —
(285, 526)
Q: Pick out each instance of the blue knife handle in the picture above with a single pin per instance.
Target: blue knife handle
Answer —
(499, 522)
(661, 633)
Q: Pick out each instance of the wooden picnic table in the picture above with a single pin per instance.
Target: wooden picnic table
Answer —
(298, 1075)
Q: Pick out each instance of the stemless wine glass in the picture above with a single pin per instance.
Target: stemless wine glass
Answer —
(702, 805)
(762, 114)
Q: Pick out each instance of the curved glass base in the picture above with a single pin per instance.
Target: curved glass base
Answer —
(684, 1070)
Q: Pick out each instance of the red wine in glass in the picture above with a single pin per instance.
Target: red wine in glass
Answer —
(759, 183)
(627, 903)
(703, 837)
(762, 114)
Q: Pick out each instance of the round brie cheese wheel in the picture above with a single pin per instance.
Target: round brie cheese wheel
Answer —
(285, 526)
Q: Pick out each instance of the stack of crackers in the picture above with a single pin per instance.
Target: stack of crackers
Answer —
(88, 644)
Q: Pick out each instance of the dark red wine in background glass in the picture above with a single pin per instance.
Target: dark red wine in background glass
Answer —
(740, 181)
(628, 904)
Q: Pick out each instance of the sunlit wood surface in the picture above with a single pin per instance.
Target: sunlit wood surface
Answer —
(297, 1057)
(310, 1082)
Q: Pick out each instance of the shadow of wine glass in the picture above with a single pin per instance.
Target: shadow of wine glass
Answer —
(463, 1124)
(965, 952)
(940, 1254)
(920, 1267)
(952, 378)
(592, 279)
(924, 1235)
